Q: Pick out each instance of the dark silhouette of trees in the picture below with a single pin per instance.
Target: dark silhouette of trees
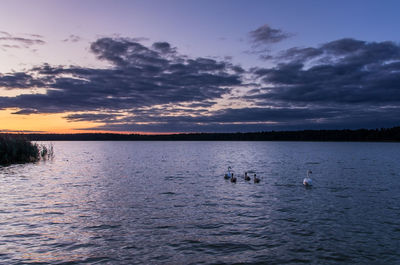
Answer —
(361, 135)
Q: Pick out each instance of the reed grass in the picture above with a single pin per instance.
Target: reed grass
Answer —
(16, 149)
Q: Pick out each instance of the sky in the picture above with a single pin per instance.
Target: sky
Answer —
(198, 66)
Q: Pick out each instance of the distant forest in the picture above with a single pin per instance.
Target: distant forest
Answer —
(361, 135)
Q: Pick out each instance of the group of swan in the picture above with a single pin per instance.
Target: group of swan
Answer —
(229, 175)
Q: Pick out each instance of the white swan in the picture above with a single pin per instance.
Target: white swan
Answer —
(308, 181)
(229, 174)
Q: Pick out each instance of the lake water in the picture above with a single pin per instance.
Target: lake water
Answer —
(168, 203)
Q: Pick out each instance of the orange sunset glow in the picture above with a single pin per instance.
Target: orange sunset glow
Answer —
(43, 123)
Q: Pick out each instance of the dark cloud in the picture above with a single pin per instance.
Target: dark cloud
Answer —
(19, 80)
(267, 35)
(296, 55)
(343, 51)
(343, 46)
(360, 79)
(340, 84)
(140, 76)
(340, 72)
(97, 117)
(163, 47)
(166, 120)
(72, 38)
(26, 111)
(253, 119)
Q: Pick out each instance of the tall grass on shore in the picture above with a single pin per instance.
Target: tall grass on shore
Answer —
(16, 149)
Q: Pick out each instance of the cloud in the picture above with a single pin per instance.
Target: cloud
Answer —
(4, 33)
(25, 111)
(19, 80)
(251, 119)
(341, 72)
(359, 79)
(97, 117)
(24, 41)
(163, 47)
(166, 119)
(265, 35)
(139, 76)
(19, 131)
(72, 38)
(7, 40)
(344, 83)
(36, 36)
(261, 40)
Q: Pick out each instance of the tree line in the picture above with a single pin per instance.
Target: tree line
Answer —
(361, 135)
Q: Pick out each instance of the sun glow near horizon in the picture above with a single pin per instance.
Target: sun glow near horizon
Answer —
(43, 123)
(54, 124)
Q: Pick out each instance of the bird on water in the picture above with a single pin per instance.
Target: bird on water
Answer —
(228, 174)
(233, 179)
(307, 180)
(256, 180)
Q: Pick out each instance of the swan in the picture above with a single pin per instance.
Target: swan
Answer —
(246, 177)
(308, 181)
(229, 174)
(256, 180)
(233, 179)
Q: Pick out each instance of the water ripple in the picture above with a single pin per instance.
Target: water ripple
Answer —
(167, 203)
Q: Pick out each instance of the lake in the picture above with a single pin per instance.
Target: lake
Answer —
(168, 203)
